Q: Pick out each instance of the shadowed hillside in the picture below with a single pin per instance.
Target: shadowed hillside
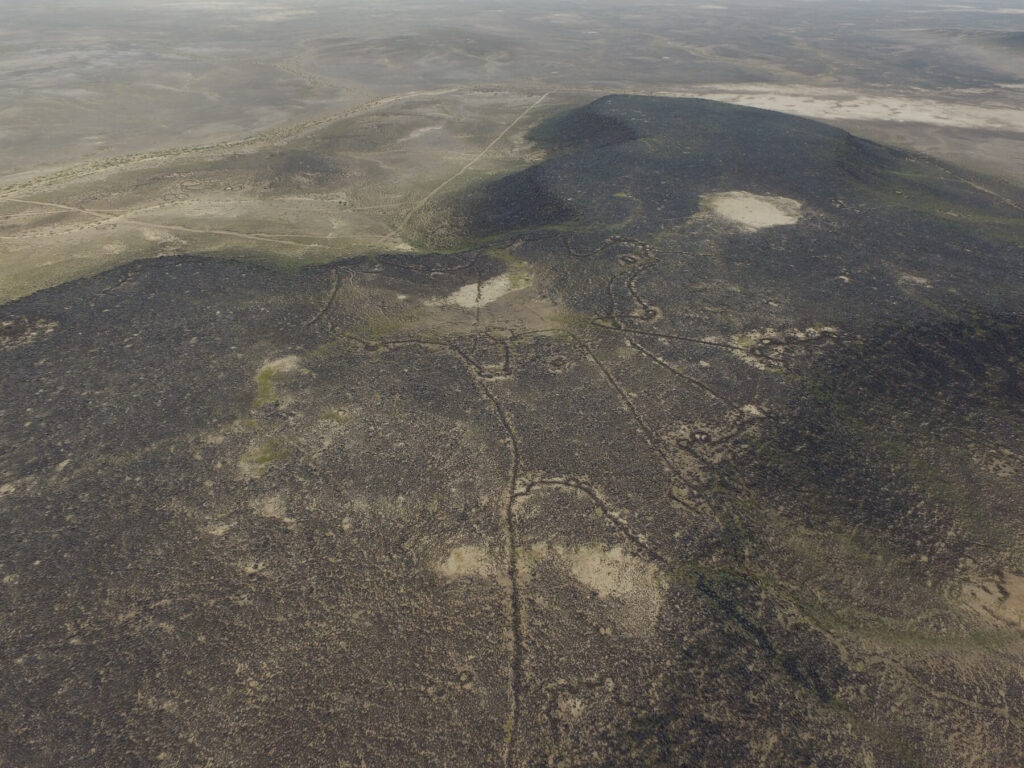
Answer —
(639, 162)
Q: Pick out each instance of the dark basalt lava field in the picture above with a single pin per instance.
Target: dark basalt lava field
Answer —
(700, 442)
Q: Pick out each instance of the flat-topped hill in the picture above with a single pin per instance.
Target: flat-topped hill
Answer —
(648, 160)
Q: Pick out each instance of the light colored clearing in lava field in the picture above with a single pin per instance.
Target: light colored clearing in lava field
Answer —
(481, 294)
(636, 586)
(1000, 599)
(753, 212)
(467, 561)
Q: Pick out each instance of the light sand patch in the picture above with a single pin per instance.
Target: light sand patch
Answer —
(481, 294)
(218, 529)
(570, 708)
(636, 585)
(842, 104)
(908, 279)
(467, 561)
(270, 374)
(420, 132)
(752, 212)
(1000, 599)
(273, 507)
(287, 364)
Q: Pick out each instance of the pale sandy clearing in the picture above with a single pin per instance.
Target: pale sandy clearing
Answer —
(752, 411)
(843, 104)
(753, 212)
(218, 529)
(287, 364)
(481, 294)
(1001, 598)
(421, 132)
(273, 507)
(614, 574)
(908, 279)
(466, 561)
